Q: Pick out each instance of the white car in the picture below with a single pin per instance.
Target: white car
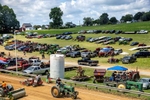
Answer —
(142, 32)
(146, 83)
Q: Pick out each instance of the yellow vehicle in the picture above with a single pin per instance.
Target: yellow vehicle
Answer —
(9, 42)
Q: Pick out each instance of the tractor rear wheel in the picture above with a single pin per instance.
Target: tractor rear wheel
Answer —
(121, 86)
(55, 92)
(2, 94)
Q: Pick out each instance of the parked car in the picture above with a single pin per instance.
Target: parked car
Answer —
(88, 61)
(142, 54)
(35, 62)
(58, 37)
(142, 32)
(146, 82)
(74, 54)
(142, 44)
(118, 51)
(88, 54)
(128, 59)
(134, 43)
(68, 37)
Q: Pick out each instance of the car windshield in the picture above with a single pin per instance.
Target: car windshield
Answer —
(30, 68)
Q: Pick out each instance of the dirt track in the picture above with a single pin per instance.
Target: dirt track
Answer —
(43, 92)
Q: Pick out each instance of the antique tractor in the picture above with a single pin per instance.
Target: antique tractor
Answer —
(63, 90)
(11, 93)
(31, 81)
(99, 75)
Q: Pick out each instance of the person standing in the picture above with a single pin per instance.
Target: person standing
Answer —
(24, 53)
(48, 79)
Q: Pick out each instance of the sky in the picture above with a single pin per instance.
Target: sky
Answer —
(37, 12)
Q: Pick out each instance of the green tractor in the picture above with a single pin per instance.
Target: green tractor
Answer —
(63, 90)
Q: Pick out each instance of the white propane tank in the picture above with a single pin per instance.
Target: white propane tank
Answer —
(57, 65)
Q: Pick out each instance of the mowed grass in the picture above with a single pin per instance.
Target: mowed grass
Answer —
(124, 27)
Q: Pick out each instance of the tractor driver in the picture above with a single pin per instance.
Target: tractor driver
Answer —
(58, 81)
(38, 78)
(4, 85)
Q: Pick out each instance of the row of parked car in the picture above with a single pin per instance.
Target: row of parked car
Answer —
(113, 31)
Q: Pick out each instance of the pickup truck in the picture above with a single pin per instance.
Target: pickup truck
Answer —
(88, 61)
(37, 70)
(88, 54)
(35, 62)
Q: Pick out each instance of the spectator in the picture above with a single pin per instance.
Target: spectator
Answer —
(8, 54)
(24, 53)
(38, 78)
(48, 79)
(4, 85)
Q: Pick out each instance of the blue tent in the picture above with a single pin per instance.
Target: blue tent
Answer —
(118, 68)
(2, 62)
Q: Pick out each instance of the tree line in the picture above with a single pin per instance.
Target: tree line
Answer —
(56, 14)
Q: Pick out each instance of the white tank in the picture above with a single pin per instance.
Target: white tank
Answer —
(57, 65)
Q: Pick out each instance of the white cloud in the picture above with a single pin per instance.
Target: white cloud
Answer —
(37, 11)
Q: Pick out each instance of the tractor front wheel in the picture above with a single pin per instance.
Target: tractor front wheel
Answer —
(55, 92)
(121, 86)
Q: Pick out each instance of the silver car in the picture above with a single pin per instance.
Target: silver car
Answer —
(146, 83)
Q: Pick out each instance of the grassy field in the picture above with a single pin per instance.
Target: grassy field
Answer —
(123, 27)
(142, 63)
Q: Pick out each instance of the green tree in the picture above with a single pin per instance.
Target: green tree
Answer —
(8, 20)
(88, 21)
(138, 15)
(146, 16)
(104, 18)
(122, 20)
(113, 20)
(37, 26)
(128, 17)
(55, 15)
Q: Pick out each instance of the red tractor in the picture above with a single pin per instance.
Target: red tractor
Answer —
(31, 81)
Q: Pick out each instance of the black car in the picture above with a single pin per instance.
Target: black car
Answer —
(128, 59)
(134, 43)
(142, 54)
(87, 61)
(73, 54)
(58, 37)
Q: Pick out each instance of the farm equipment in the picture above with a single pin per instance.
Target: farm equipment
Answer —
(126, 85)
(113, 60)
(11, 93)
(124, 80)
(31, 81)
(63, 90)
(80, 75)
(99, 75)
